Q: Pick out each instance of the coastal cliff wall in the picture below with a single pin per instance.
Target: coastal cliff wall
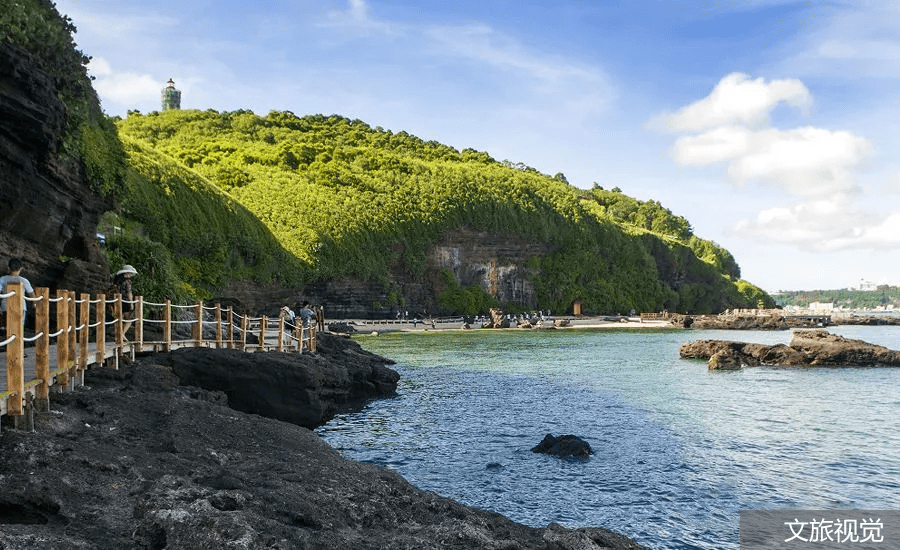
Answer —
(495, 262)
(48, 210)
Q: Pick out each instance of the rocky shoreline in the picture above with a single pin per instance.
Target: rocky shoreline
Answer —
(158, 455)
(808, 348)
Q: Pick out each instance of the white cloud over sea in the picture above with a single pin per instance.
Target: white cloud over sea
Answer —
(732, 126)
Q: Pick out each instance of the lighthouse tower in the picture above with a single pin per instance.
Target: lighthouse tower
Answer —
(171, 98)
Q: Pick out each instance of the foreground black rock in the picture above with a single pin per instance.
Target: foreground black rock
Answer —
(307, 389)
(139, 460)
(564, 445)
(808, 348)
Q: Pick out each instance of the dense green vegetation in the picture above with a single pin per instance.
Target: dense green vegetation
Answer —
(187, 236)
(90, 137)
(884, 297)
(348, 200)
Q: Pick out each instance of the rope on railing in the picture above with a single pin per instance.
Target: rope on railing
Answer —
(9, 340)
(35, 299)
(57, 333)
(33, 338)
(9, 294)
(57, 299)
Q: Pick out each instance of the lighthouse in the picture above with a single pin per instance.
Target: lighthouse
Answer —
(171, 98)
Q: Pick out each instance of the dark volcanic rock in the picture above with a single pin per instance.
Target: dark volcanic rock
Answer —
(808, 348)
(138, 460)
(564, 445)
(768, 320)
(48, 211)
(307, 389)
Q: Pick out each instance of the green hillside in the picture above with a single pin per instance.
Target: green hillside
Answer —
(884, 296)
(347, 200)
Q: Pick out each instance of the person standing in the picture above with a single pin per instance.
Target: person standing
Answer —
(307, 315)
(15, 276)
(320, 318)
(122, 280)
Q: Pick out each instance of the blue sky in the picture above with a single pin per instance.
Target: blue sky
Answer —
(771, 125)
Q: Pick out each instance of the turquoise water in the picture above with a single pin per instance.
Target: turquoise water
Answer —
(678, 450)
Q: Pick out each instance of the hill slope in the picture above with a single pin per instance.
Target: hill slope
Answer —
(401, 223)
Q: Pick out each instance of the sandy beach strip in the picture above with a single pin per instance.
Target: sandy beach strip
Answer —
(389, 325)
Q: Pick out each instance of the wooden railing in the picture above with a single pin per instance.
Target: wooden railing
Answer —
(61, 357)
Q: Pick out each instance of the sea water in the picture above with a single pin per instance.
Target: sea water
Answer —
(679, 451)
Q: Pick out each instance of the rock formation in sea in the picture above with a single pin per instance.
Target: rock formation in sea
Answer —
(154, 455)
(564, 445)
(744, 320)
(808, 348)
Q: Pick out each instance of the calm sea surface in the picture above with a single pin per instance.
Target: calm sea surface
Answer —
(679, 451)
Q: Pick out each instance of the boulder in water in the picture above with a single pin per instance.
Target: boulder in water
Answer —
(564, 445)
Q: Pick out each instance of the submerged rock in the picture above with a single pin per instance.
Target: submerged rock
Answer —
(808, 348)
(564, 445)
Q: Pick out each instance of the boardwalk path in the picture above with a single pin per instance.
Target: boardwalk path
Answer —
(31, 371)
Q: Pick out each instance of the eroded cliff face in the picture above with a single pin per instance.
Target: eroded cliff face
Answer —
(495, 262)
(48, 212)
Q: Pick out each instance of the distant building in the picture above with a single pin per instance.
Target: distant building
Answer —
(821, 306)
(171, 98)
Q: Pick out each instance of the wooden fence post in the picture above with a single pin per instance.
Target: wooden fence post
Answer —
(15, 350)
(244, 327)
(218, 325)
(62, 339)
(198, 328)
(84, 333)
(119, 327)
(139, 323)
(262, 332)
(42, 348)
(101, 329)
(167, 326)
(280, 334)
(230, 327)
(312, 338)
(70, 331)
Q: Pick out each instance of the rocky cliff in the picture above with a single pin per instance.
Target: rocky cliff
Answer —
(495, 262)
(48, 211)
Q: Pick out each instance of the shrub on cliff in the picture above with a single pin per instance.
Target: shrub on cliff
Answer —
(90, 139)
(210, 238)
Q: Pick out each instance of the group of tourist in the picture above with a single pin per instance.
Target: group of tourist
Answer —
(121, 285)
(309, 315)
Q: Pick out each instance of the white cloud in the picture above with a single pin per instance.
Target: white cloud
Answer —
(806, 161)
(358, 19)
(581, 88)
(731, 127)
(852, 40)
(736, 100)
(128, 88)
(714, 146)
(99, 67)
(824, 226)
